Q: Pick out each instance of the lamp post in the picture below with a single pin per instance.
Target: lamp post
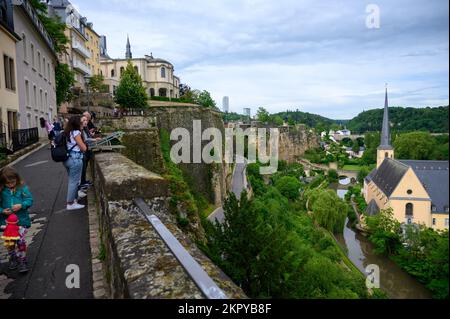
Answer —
(87, 79)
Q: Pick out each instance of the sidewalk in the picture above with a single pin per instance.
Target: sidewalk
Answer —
(57, 238)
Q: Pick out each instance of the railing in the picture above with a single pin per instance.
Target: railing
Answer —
(3, 140)
(207, 286)
(81, 66)
(23, 138)
(81, 49)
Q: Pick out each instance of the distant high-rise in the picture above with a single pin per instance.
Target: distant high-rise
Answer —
(247, 112)
(226, 104)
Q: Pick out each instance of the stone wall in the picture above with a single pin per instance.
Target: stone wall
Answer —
(139, 264)
(295, 141)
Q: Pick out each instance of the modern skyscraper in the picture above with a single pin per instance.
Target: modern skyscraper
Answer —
(247, 112)
(226, 104)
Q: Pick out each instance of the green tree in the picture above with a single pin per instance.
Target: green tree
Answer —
(288, 186)
(328, 209)
(204, 99)
(65, 78)
(414, 145)
(363, 172)
(333, 176)
(355, 146)
(262, 115)
(96, 83)
(384, 231)
(130, 93)
(277, 120)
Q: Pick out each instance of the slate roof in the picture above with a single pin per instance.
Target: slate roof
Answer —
(388, 175)
(434, 177)
(372, 208)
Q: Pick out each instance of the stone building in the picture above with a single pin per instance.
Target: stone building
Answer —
(157, 74)
(93, 46)
(36, 61)
(417, 191)
(9, 97)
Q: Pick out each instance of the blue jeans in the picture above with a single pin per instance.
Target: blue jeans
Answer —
(74, 167)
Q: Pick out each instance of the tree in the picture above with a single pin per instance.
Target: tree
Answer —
(262, 115)
(288, 186)
(329, 211)
(363, 172)
(204, 99)
(65, 78)
(277, 120)
(130, 92)
(96, 83)
(355, 146)
(333, 175)
(384, 231)
(414, 145)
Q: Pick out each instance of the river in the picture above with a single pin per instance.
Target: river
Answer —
(397, 283)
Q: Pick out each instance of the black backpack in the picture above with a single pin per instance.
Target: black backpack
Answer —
(59, 148)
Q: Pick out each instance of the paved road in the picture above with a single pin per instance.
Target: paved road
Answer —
(238, 183)
(58, 238)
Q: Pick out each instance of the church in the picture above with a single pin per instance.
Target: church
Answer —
(157, 74)
(417, 191)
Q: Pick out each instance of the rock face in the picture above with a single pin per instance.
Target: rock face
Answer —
(139, 264)
(294, 142)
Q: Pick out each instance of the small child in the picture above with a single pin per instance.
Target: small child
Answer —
(15, 199)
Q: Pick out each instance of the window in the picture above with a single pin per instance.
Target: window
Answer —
(48, 71)
(121, 70)
(152, 92)
(409, 209)
(27, 93)
(46, 100)
(112, 73)
(386, 155)
(44, 67)
(136, 69)
(409, 191)
(163, 72)
(10, 77)
(41, 103)
(39, 62)
(24, 39)
(433, 208)
(32, 55)
(434, 221)
(35, 96)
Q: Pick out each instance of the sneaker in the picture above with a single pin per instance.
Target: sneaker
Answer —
(74, 206)
(23, 267)
(13, 264)
(86, 185)
(81, 194)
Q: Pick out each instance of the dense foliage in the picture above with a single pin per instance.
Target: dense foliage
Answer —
(271, 247)
(407, 119)
(312, 120)
(421, 146)
(64, 78)
(130, 93)
(421, 251)
(203, 98)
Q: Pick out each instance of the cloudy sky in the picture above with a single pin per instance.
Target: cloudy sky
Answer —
(317, 56)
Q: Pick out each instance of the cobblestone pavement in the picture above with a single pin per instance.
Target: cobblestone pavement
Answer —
(57, 240)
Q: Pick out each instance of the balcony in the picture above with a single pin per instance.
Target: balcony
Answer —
(82, 67)
(81, 49)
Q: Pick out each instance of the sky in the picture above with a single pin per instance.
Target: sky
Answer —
(316, 56)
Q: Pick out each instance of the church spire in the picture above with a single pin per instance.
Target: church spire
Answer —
(128, 54)
(385, 135)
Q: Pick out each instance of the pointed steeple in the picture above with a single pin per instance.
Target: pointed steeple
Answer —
(128, 54)
(385, 135)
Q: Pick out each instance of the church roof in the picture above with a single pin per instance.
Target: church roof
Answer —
(372, 208)
(434, 177)
(388, 175)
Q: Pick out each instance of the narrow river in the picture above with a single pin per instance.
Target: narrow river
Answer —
(397, 283)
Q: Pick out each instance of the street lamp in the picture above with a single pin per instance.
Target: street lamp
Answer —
(87, 79)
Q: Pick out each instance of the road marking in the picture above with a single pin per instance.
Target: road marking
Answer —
(36, 164)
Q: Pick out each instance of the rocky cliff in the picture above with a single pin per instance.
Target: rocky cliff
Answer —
(295, 141)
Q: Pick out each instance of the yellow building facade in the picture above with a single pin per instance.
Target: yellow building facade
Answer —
(9, 96)
(93, 46)
(417, 191)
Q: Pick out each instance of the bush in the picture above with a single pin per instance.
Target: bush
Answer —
(289, 187)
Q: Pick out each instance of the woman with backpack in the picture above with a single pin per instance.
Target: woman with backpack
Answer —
(74, 164)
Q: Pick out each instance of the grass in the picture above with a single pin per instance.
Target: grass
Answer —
(352, 168)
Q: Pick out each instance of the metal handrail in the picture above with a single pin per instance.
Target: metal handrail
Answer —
(206, 285)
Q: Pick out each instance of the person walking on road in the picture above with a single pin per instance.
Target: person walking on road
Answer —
(74, 164)
(48, 128)
(16, 199)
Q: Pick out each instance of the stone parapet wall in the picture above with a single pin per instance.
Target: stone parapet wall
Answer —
(138, 263)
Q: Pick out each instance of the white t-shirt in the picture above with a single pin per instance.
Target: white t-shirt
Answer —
(72, 141)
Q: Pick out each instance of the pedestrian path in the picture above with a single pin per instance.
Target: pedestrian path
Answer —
(57, 241)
